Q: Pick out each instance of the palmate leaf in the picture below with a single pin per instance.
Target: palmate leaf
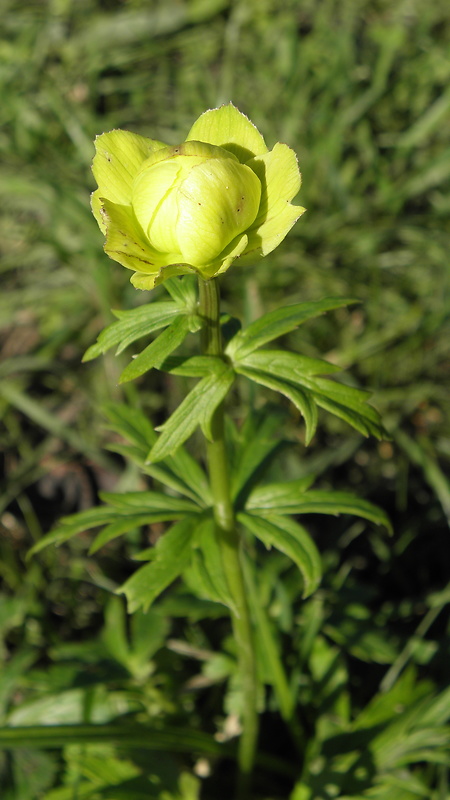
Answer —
(76, 523)
(172, 555)
(349, 404)
(278, 495)
(131, 508)
(288, 366)
(299, 379)
(405, 725)
(290, 538)
(132, 325)
(146, 501)
(430, 745)
(158, 350)
(121, 514)
(191, 366)
(301, 398)
(196, 409)
(211, 559)
(124, 525)
(293, 497)
(279, 322)
(179, 472)
(257, 446)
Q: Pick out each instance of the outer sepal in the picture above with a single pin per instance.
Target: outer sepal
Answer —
(228, 128)
(280, 180)
(119, 156)
(125, 242)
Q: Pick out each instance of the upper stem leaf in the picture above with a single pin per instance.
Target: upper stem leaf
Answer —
(279, 322)
(196, 409)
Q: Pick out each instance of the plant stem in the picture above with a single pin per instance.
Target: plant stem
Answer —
(209, 310)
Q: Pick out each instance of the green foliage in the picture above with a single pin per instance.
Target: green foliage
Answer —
(180, 472)
(295, 376)
(133, 325)
(277, 323)
(158, 350)
(293, 497)
(196, 409)
(290, 538)
(169, 558)
(397, 729)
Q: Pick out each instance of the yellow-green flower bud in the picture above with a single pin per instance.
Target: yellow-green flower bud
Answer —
(198, 206)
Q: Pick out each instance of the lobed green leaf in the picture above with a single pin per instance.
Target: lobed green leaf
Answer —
(140, 508)
(279, 322)
(288, 366)
(158, 350)
(128, 524)
(292, 498)
(191, 366)
(181, 472)
(121, 514)
(258, 445)
(290, 538)
(147, 501)
(278, 495)
(172, 555)
(300, 397)
(307, 390)
(73, 524)
(208, 545)
(359, 415)
(196, 409)
(132, 325)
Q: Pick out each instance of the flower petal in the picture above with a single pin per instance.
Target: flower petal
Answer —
(154, 202)
(154, 190)
(119, 155)
(229, 128)
(280, 179)
(96, 206)
(220, 265)
(218, 200)
(141, 281)
(126, 243)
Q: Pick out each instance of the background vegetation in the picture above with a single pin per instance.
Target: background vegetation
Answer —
(360, 89)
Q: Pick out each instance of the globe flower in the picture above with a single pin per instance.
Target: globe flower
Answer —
(221, 196)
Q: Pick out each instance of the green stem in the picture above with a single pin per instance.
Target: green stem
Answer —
(209, 310)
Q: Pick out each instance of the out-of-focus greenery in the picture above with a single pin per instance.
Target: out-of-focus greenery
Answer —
(360, 89)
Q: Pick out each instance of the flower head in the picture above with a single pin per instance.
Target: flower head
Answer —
(196, 207)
